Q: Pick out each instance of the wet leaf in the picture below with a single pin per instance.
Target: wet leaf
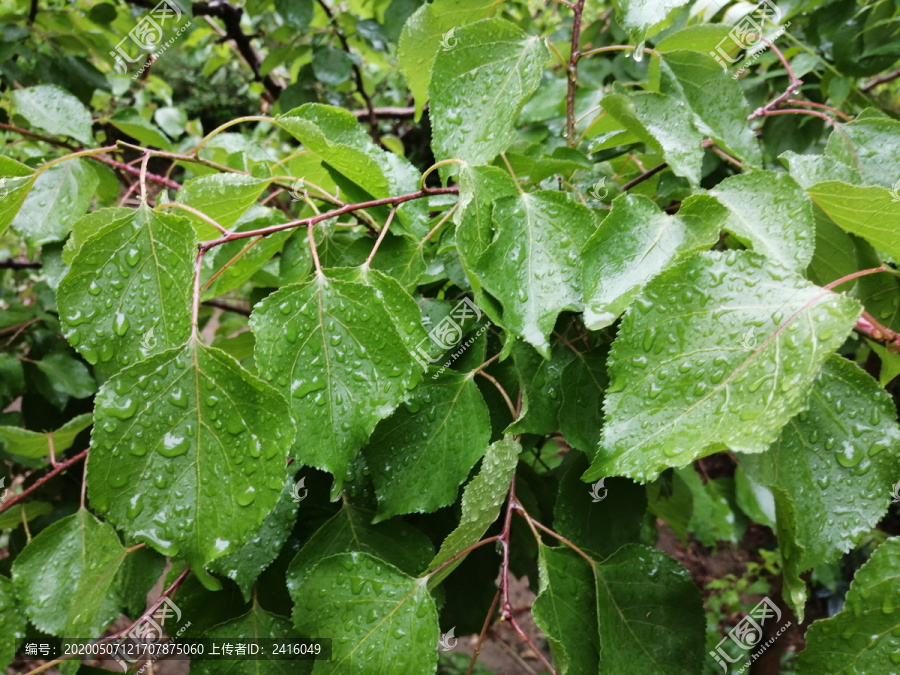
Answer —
(59, 196)
(66, 577)
(478, 88)
(532, 266)
(333, 350)
(481, 501)
(54, 110)
(861, 638)
(12, 622)
(770, 213)
(430, 30)
(127, 292)
(420, 455)
(719, 352)
(188, 453)
(833, 462)
(637, 241)
(665, 125)
(35, 445)
(869, 212)
(351, 530)
(368, 607)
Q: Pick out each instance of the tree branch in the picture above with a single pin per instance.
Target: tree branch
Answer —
(59, 468)
(231, 18)
(357, 73)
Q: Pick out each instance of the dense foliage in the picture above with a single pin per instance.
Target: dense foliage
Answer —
(324, 317)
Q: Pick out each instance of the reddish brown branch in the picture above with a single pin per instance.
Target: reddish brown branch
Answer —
(59, 468)
(312, 220)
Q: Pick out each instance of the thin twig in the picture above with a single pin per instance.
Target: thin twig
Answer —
(381, 236)
(644, 176)
(58, 469)
(312, 220)
(572, 72)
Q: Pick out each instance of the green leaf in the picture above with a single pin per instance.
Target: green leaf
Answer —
(833, 462)
(650, 614)
(55, 111)
(224, 197)
(66, 577)
(890, 364)
(870, 146)
(719, 352)
(257, 624)
(835, 253)
(188, 453)
(15, 181)
(296, 13)
(251, 259)
(601, 518)
(429, 30)
(12, 622)
(129, 121)
(808, 170)
(331, 66)
(712, 508)
(67, 375)
(665, 125)
(246, 564)
(870, 212)
(532, 267)
(351, 529)
(127, 293)
(479, 188)
(339, 140)
(644, 18)
(59, 196)
(583, 385)
(32, 444)
(332, 349)
(478, 88)
(381, 621)
(717, 101)
(636, 242)
(421, 454)
(86, 226)
(13, 516)
(481, 502)
(566, 610)
(540, 381)
(770, 213)
(862, 638)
